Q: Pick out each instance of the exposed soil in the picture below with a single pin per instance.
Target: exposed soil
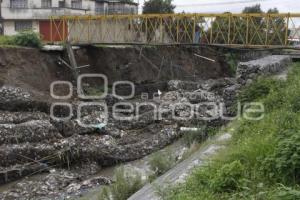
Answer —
(36, 70)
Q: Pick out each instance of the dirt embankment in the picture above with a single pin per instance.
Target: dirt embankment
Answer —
(151, 64)
(36, 70)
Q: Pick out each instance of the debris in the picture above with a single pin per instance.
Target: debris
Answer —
(209, 59)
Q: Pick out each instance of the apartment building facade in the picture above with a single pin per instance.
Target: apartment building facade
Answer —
(21, 15)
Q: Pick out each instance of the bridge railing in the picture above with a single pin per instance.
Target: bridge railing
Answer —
(251, 30)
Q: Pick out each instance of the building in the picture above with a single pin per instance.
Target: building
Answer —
(294, 36)
(21, 15)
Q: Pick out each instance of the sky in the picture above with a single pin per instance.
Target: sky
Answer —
(234, 6)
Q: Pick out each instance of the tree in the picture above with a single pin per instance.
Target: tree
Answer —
(253, 9)
(158, 6)
(260, 31)
(127, 1)
(276, 26)
(256, 25)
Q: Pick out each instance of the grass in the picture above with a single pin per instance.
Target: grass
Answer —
(161, 162)
(263, 159)
(125, 184)
(7, 41)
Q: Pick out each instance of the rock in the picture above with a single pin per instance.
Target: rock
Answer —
(214, 85)
(10, 94)
(100, 180)
(18, 99)
(24, 153)
(112, 130)
(199, 96)
(18, 171)
(249, 82)
(172, 96)
(31, 131)
(111, 100)
(88, 124)
(137, 122)
(21, 117)
(61, 184)
(174, 85)
(69, 128)
(264, 66)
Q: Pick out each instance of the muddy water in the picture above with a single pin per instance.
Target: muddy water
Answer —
(9, 186)
(178, 148)
(142, 166)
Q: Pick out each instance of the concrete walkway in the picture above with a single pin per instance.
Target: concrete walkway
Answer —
(180, 172)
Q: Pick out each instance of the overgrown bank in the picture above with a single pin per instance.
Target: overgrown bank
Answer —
(263, 159)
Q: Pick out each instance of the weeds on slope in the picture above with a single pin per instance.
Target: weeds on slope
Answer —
(263, 159)
(161, 162)
(124, 185)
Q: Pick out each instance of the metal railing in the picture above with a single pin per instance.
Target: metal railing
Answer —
(247, 30)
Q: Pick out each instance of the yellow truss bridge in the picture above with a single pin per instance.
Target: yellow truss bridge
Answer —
(236, 30)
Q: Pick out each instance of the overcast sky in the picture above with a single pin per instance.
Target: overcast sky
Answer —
(234, 6)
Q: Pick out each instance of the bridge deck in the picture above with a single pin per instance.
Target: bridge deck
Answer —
(235, 30)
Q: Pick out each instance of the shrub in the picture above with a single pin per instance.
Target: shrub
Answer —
(258, 89)
(27, 39)
(161, 162)
(295, 104)
(284, 163)
(124, 186)
(232, 61)
(228, 178)
(194, 136)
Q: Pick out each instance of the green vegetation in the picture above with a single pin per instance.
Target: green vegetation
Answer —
(256, 37)
(125, 184)
(26, 39)
(263, 159)
(158, 6)
(6, 40)
(93, 91)
(199, 136)
(161, 162)
(232, 60)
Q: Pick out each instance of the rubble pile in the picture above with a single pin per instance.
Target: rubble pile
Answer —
(58, 184)
(31, 142)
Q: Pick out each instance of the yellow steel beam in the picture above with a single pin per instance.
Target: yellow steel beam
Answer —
(250, 29)
(179, 15)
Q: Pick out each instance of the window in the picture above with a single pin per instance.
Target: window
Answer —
(23, 26)
(18, 3)
(61, 4)
(46, 3)
(132, 10)
(77, 4)
(100, 8)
